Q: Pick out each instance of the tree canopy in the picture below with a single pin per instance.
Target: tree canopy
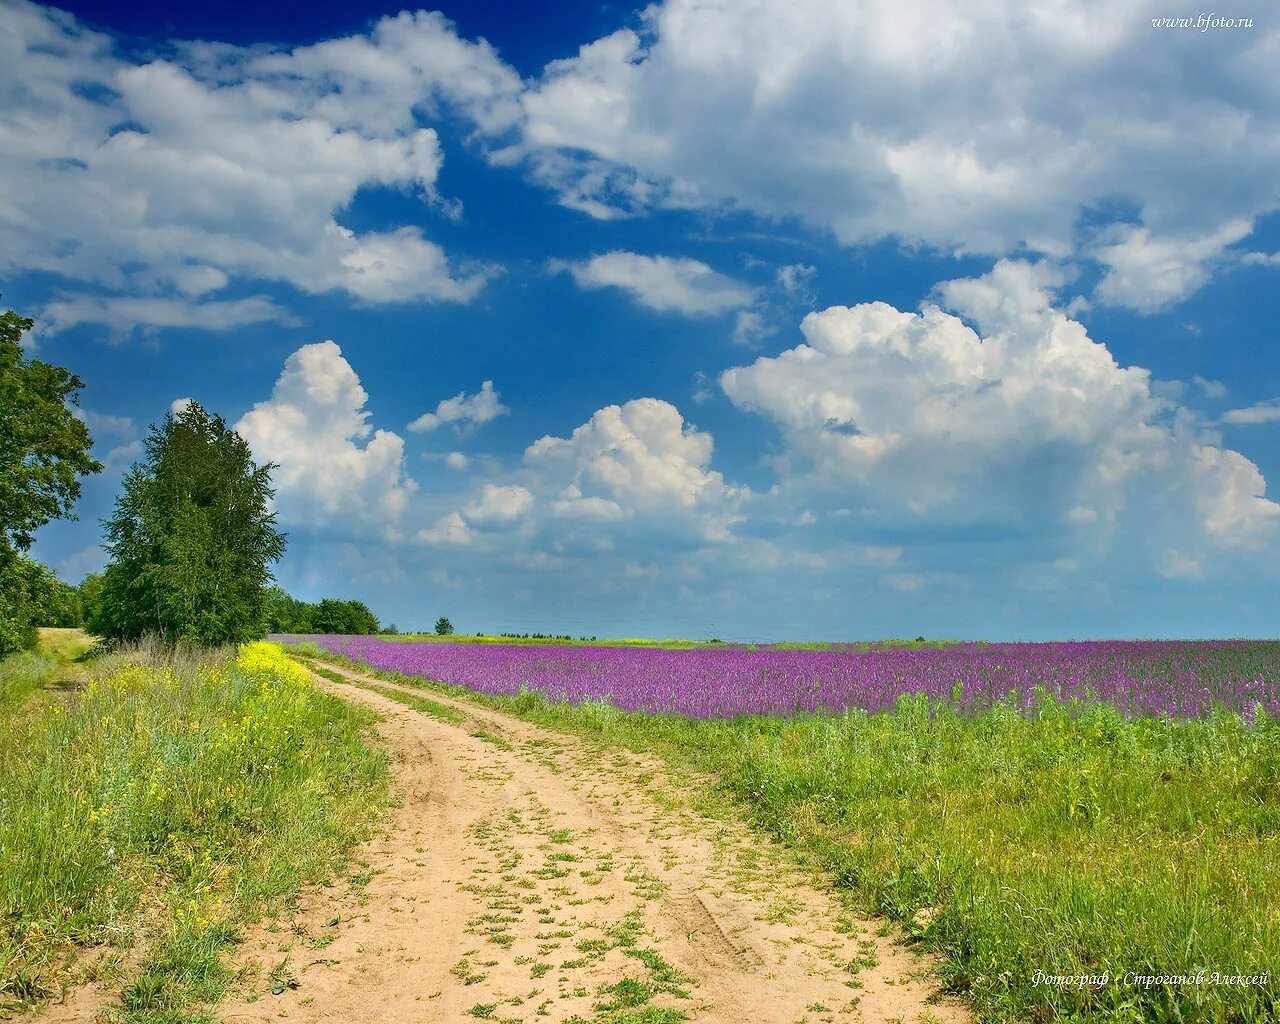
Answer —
(44, 448)
(192, 537)
(44, 451)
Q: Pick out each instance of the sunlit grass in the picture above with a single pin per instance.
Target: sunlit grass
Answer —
(171, 800)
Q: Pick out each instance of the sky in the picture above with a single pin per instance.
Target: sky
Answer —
(756, 320)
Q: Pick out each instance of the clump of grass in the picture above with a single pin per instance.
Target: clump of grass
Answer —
(1069, 840)
(22, 674)
(169, 802)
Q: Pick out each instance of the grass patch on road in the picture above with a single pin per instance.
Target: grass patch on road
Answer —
(172, 800)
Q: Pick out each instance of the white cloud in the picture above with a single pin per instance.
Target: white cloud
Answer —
(1024, 422)
(1210, 388)
(640, 456)
(796, 280)
(499, 504)
(750, 327)
(100, 423)
(456, 460)
(179, 405)
(1262, 412)
(859, 119)
(450, 529)
(1150, 273)
(463, 411)
(664, 283)
(212, 162)
(334, 468)
(632, 477)
(124, 314)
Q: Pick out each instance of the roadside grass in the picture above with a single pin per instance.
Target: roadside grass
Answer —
(175, 798)
(21, 675)
(59, 658)
(1072, 841)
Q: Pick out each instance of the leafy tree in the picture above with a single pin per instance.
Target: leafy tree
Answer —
(44, 450)
(444, 627)
(27, 589)
(350, 617)
(90, 597)
(287, 614)
(64, 607)
(192, 538)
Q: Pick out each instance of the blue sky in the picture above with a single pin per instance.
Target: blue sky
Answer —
(759, 320)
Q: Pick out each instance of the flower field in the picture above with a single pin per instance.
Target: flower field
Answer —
(1173, 679)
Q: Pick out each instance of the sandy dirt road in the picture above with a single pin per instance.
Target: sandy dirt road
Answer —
(530, 876)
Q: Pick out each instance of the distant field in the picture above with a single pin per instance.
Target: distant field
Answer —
(1074, 809)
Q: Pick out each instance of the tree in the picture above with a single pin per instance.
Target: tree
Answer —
(44, 451)
(348, 617)
(192, 538)
(27, 589)
(444, 627)
(90, 596)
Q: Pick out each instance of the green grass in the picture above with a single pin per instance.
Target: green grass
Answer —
(669, 644)
(58, 660)
(1070, 842)
(156, 811)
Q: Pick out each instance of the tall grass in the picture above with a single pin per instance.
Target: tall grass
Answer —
(22, 674)
(1070, 840)
(173, 799)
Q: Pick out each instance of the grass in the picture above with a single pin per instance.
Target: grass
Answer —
(152, 814)
(1073, 841)
(59, 660)
(669, 644)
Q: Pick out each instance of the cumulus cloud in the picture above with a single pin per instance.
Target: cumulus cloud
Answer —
(463, 411)
(208, 162)
(1001, 411)
(664, 283)
(450, 529)
(499, 504)
(634, 474)
(334, 468)
(640, 456)
(859, 119)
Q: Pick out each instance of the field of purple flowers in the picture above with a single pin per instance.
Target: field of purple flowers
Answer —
(1176, 679)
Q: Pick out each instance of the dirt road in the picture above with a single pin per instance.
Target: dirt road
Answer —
(529, 876)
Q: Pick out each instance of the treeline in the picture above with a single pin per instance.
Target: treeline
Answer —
(547, 636)
(285, 614)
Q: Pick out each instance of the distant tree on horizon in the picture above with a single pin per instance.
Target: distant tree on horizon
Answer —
(192, 538)
(444, 627)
